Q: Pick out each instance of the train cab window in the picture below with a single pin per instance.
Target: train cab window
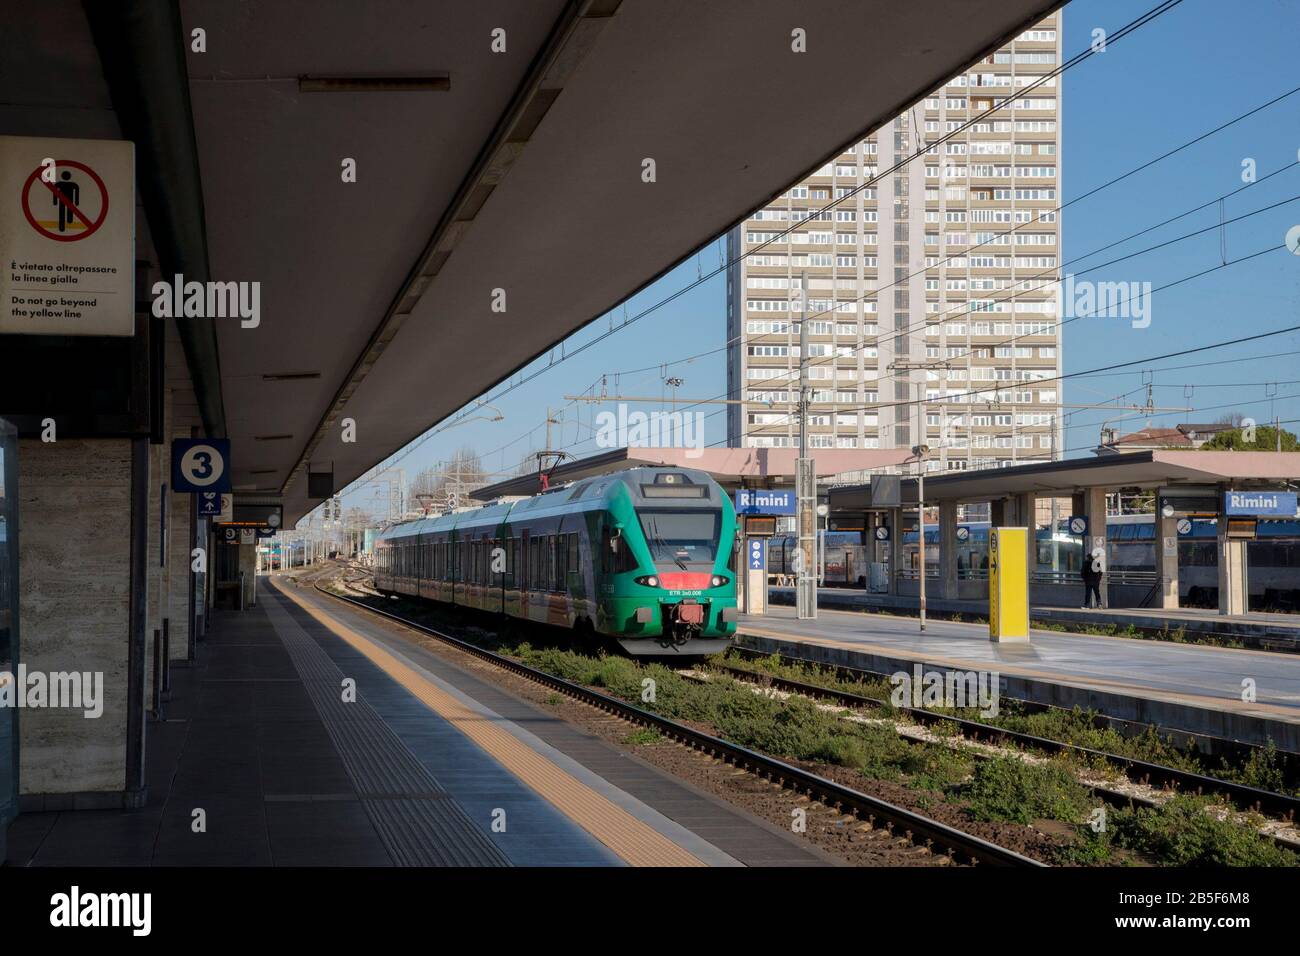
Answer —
(615, 555)
(682, 538)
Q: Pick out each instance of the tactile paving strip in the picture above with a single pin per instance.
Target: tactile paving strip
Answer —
(636, 842)
(418, 821)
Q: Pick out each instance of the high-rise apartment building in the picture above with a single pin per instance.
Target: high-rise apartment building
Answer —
(928, 292)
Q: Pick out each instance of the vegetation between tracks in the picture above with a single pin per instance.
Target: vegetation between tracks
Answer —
(1263, 768)
(1001, 790)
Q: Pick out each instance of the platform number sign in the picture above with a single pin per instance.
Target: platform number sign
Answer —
(200, 465)
(757, 554)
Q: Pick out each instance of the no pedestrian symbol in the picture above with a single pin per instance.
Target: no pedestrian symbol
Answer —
(70, 208)
(68, 248)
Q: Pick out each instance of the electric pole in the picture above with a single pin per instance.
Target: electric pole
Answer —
(921, 451)
(805, 478)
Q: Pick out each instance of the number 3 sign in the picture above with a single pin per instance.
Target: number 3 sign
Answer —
(200, 464)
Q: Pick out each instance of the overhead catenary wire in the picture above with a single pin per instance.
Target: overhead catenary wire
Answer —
(725, 264)
(1095, 373)
(995, 389)
(698, 355)
(952, 313)
(904, 403)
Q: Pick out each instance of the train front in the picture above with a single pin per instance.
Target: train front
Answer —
(681, 596)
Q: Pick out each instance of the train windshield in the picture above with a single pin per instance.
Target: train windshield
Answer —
(681, 538)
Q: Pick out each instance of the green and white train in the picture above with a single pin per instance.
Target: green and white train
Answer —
(646, 557)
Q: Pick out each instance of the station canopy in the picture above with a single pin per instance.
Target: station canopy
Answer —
(484, 161)
(1147, 469)
(729, 467)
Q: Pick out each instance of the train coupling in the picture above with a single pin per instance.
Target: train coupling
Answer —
(687, 612)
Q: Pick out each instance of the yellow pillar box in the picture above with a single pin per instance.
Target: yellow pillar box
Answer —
(1008, 584)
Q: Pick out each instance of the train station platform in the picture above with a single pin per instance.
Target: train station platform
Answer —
(1257, 629)
(1189, 688)
(262, 760)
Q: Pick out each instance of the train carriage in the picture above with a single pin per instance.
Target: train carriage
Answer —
(646, 557)
(1273, 573)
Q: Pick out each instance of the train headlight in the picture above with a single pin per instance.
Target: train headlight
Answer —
(650, 581)
(718, 581)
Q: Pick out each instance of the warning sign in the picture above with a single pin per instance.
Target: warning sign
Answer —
(67, 236)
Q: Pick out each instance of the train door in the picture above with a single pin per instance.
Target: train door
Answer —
(453, 561)
(525, 572)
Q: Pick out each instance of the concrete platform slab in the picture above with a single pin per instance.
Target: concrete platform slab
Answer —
(1276, 630)
(1195, 688)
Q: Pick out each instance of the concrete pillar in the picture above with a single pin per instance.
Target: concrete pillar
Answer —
(248, 568)
(74, 516)
(169, 532)
(948, 587)
(1026, 517)
(895, 547)
(1167, 559)
(1078, 503)
(181, 583)
(1232, 572)
(1094, 508)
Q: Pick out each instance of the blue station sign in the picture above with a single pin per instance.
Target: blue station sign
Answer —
(1281, 504)
(200, 464)
(755, 501)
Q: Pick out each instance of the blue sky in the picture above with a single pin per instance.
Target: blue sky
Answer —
(1196, 67)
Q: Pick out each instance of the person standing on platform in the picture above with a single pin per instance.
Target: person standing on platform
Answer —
(1092, 573)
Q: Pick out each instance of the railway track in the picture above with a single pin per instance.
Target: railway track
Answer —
(1241, 795)
(1280, 806)
(918, 829)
